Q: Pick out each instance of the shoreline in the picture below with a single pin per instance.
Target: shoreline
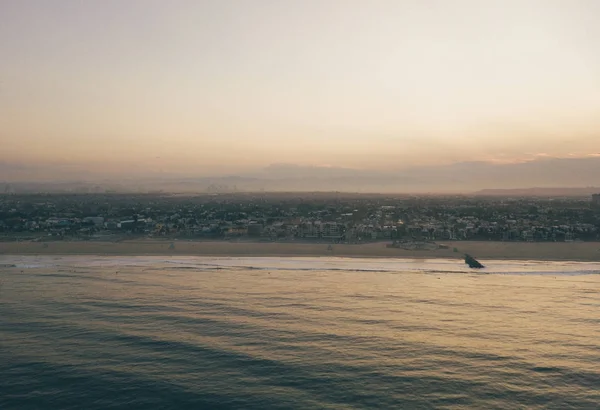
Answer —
(541, 251)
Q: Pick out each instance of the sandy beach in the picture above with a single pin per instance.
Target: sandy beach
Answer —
(575, 251)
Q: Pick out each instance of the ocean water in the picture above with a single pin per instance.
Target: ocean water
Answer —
(297, 333)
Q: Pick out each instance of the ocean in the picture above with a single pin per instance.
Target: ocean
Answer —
(82, 332)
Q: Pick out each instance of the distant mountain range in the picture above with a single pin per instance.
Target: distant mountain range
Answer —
(540, 192)
(551, 176)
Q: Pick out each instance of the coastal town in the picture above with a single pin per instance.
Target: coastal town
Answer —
(308, 217)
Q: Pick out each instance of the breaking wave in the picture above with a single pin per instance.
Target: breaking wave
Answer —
(307, 264)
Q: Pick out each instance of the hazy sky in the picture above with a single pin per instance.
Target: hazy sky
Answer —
(223, 86)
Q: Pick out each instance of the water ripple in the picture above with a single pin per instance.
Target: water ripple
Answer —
(143, 333)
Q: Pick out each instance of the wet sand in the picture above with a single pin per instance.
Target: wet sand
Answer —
(575, 251)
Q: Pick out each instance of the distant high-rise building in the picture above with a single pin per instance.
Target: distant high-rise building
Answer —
(9, 189)
(596, 200)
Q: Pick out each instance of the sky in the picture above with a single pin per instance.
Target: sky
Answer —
(209, 87)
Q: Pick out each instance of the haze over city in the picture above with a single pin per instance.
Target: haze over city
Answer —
(379, 89)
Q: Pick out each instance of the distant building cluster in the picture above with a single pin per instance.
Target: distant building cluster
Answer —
(332, 218)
